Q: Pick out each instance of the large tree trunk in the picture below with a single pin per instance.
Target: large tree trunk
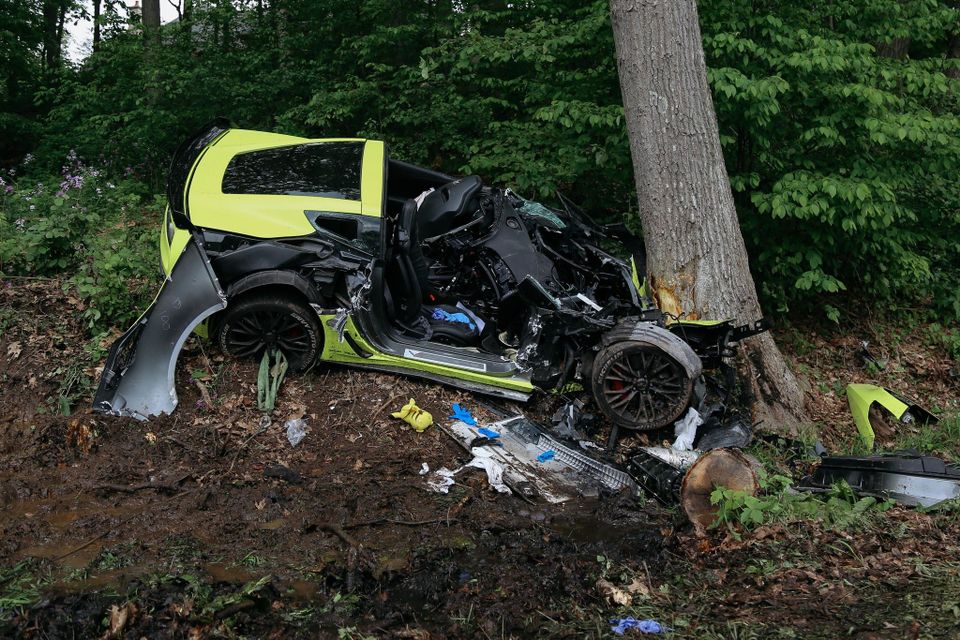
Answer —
(695, 252)
(151, 20)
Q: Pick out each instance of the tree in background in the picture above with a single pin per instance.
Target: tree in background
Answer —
(842, 161)
(696, 258)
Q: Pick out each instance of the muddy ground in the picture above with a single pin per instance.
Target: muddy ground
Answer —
(208, 524)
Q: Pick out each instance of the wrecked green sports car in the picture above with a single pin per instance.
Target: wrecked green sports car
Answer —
(329, 250)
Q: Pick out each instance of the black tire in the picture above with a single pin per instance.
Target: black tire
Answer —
(259, 320)
(640, 386)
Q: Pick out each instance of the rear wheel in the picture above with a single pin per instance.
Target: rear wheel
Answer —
(640, 386)
(275, 321)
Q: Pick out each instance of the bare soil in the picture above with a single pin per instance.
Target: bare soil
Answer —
(208, 524)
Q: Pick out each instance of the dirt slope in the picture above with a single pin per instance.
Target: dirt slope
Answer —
(207, 523)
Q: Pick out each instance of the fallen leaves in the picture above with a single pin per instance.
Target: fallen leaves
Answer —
(81, 436)
(13, 350)
(120, 617)
(622, 596)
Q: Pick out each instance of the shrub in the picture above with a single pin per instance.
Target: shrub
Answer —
(94, 230)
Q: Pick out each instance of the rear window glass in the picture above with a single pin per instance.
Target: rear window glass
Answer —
(328, 169)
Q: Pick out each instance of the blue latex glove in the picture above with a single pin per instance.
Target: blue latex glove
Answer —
(463, 415)
(457, 318)
(645, 626)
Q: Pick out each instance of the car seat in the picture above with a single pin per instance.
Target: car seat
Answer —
(447, 207)
(406, 280)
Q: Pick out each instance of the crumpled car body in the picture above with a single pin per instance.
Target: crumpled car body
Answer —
(333, 252)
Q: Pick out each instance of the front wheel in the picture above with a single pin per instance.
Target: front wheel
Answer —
(640, 386)
(274, 321)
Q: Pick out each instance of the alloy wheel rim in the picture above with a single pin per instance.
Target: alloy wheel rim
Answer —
(644, 386)
(250, 334)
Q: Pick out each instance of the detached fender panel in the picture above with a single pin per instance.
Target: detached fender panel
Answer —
(138, 378)
(862, 396)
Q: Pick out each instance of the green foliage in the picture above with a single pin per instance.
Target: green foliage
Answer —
(946, 338)
(839, 121)
(842, 160)
(19, 587)
(85, 224)
(273, 368)
(839, 508)
(118, 275)
(942, 438)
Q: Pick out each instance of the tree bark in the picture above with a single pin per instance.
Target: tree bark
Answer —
(953, 47)
(52, 41)
(696, 258)
(898, 48)
(96, 24)
(151, 20)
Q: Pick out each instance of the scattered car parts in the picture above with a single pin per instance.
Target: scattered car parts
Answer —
(907, 478)
(862, 397)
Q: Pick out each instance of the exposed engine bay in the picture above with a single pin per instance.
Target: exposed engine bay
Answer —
(535, 279)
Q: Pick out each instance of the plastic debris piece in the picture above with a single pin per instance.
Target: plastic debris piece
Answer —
(907, 478)
(296, 430)
(481, 441)
(414, 416)
(547, 455)
(424, 469)
(463, 415)
(571, 422)
(621, 625)
(734, 435)
(488, 433)
(685, 430)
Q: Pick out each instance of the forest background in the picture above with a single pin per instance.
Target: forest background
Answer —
(839, 123)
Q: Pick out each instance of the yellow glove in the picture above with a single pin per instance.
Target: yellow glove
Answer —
(414, 416)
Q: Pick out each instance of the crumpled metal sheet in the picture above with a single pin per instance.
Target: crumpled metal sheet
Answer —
(566, 474)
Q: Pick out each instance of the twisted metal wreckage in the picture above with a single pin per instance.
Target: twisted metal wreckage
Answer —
(331, 251)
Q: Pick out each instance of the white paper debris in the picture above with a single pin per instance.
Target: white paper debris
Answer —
(494, 469)
(419, 198)
(442, 480)
(443, 477)
(424, 469)
(685, 429)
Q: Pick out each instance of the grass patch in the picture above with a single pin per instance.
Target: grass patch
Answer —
(942, 438)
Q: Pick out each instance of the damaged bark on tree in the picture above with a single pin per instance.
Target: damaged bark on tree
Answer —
(696, 256)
